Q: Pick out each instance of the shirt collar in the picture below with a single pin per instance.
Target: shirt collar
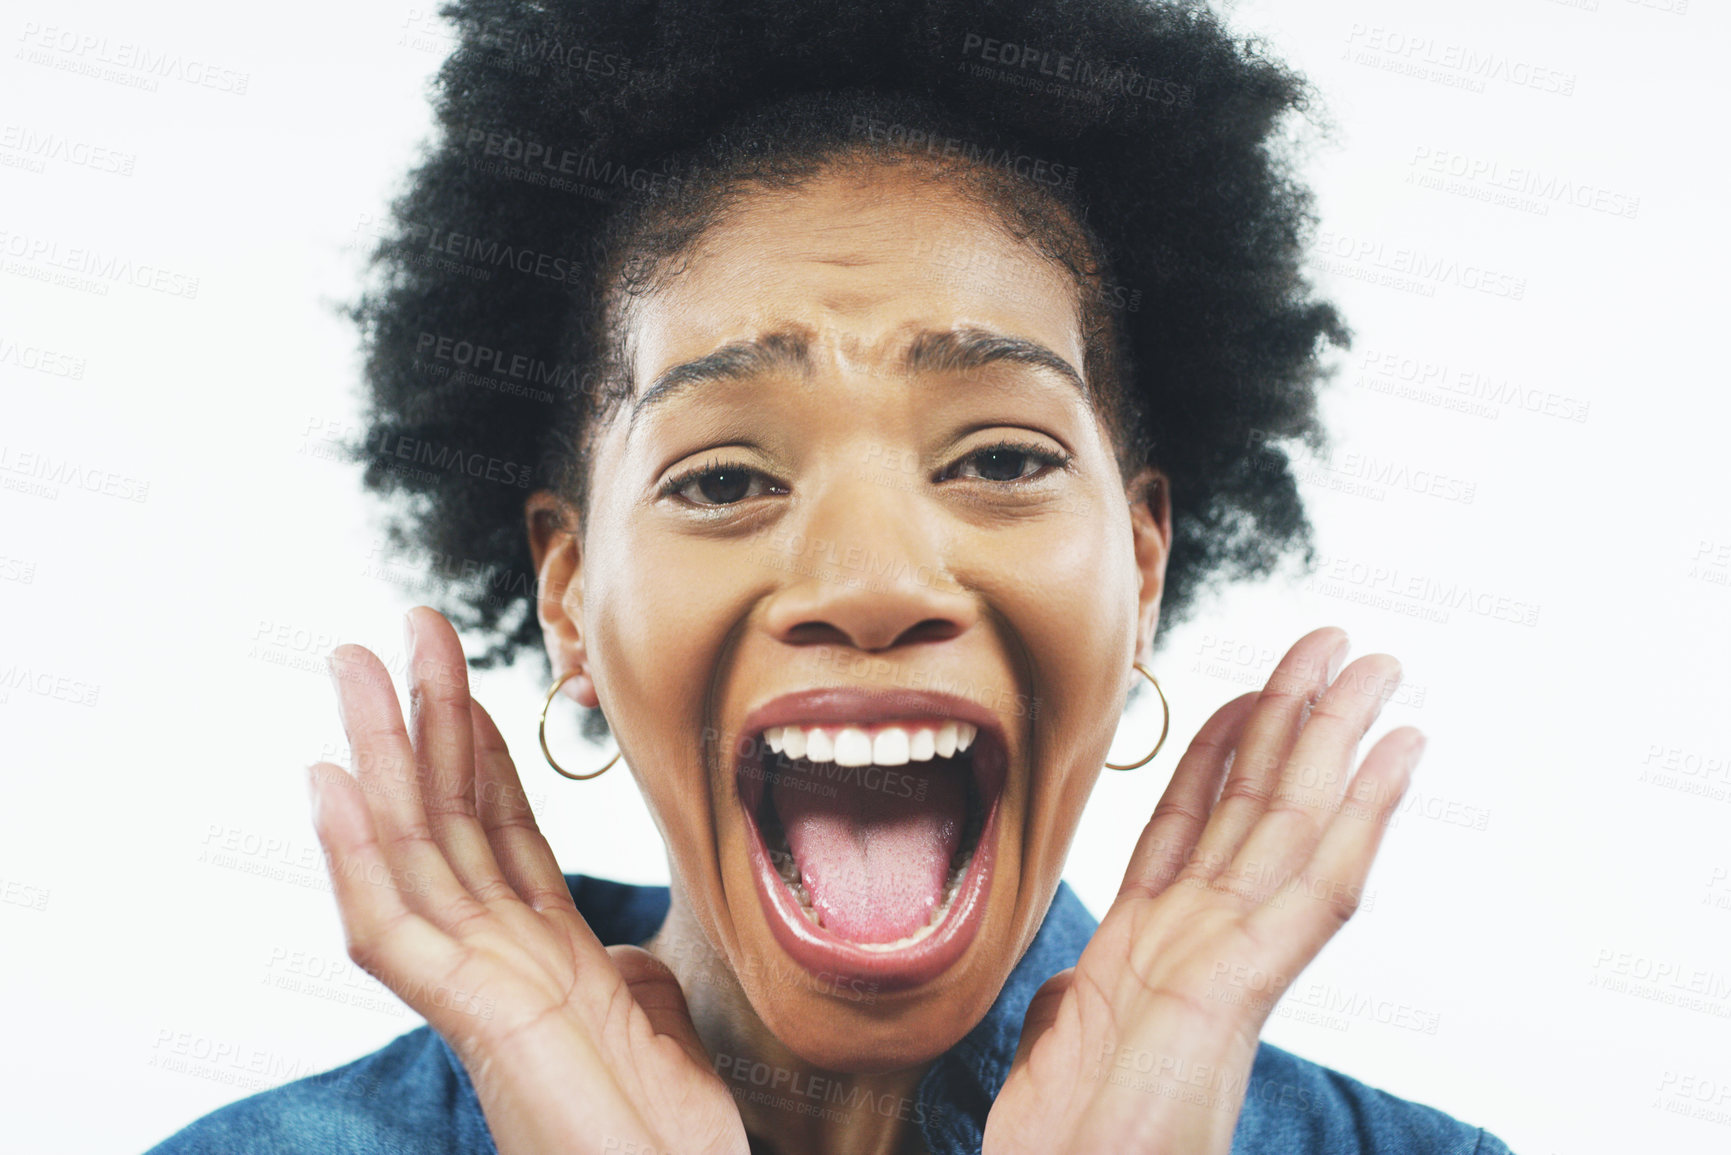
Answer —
(961, 1085)
(958, 1090)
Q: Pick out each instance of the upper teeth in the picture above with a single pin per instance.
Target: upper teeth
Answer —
(889, 746)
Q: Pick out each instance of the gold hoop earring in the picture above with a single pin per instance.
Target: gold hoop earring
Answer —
(1165, 721)
(548, 754)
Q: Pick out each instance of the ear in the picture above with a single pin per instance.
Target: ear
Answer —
(556, 544)
(1150, 497)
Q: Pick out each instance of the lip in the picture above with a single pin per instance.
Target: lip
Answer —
(811, 947)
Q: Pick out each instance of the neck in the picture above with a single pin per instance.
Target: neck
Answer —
(787, 1104)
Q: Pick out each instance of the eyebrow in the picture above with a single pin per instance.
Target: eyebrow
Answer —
(931, 351)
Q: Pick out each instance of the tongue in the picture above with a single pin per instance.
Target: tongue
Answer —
(873, 843)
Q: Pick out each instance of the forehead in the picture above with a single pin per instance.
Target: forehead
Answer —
(864, 260)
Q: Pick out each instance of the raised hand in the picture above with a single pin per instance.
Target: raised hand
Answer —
(451, 897)
(1146, 1045)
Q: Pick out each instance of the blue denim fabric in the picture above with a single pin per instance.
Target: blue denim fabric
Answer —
(413, 1097)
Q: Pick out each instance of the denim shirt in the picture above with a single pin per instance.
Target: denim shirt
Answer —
(413, 1097)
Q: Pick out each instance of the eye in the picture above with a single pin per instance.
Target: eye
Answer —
(717, 483)
(1008, 461)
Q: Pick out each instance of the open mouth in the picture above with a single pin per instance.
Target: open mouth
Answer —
(871, 828)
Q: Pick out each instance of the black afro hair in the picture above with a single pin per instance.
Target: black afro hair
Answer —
(584, 143)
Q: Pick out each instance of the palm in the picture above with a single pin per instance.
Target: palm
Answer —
(451, 896)
(1147, 1043)
(616, 1026)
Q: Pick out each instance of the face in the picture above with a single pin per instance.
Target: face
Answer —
(860, 598)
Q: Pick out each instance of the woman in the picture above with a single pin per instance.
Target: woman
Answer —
(848, 389)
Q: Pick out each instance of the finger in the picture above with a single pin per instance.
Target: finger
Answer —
(385, 937)
(518, 845)
(1332, 883)
(653, 985)
(522, 851)
(1042, 1012)
(1314, 777)
(1294, 686)
(1183, 810)
(445, 751)
(389, 785)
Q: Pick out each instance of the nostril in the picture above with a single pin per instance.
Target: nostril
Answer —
(930, 630)
(817, 633)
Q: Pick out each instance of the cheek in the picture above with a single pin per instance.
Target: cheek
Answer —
(658, 613)
(1069, 591)
(1068, 595)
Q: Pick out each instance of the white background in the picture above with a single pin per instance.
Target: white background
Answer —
(1555, 903)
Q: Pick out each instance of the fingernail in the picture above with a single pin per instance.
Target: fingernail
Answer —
(1415, 752)
(409, 632)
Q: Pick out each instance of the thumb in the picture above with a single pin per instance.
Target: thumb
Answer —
(657, 991)
(1042, 1013)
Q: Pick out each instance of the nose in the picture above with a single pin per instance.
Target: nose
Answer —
(866, 569)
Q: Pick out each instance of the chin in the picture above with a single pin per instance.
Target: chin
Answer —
(871, 858)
